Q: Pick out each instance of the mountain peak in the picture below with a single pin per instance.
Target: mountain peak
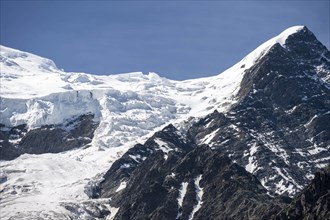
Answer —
(252, 58)
(283, 36)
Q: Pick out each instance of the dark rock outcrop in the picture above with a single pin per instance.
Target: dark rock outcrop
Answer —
(122, 169)
(313, 202)
(46, 139)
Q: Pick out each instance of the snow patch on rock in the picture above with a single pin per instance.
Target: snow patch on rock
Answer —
(199, 195)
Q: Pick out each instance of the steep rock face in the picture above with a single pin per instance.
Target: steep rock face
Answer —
(185, 181)
(167, 140)
(47, 139)
(313, 202)
(278, 129)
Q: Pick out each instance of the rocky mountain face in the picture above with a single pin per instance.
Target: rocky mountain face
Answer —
(169, 178)
(313, 202)
(279, 129)
(249, 149)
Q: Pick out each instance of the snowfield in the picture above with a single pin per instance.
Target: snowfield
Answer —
(129, 108)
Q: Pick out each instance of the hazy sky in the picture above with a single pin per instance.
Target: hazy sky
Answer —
(176, 39)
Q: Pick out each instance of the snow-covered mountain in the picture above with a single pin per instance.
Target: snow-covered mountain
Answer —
(61, 132)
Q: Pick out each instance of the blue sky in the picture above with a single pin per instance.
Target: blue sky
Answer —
(176, 39)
